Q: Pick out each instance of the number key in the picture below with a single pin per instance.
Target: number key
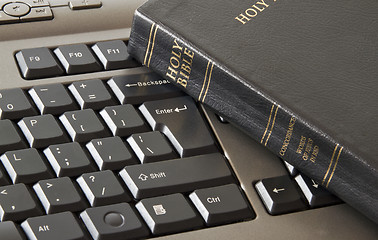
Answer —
(14, 104)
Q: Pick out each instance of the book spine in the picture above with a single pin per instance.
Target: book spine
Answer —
(272, 124)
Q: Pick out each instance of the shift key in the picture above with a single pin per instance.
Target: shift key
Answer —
(181, 122)
(176, 176)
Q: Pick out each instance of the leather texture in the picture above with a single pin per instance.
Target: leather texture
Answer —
(314, 63)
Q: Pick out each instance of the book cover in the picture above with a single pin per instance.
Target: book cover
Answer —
(299, 76)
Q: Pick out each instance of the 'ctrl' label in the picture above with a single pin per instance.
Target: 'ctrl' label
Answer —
(213, 200)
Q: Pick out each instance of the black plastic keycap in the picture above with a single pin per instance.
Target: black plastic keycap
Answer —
(110, 153)
(91, 94)
(114, 55)
(151, 147)
(17, 203)
(59, 195)
(77, 59)
(279, 195)
(123, 120)
(42, 131)
(9, 137)
(315, 194)
(179, 175)
(168, 214)
(53, 99)
(68, 159)
(25, 166)
(102, 188)
(9, 231)
(60, 226)
(136, 89)
(38, 63)
(83, 125)
(118, 221)
(14, 104)
(180, 120)
(222, 204)
(4, 180)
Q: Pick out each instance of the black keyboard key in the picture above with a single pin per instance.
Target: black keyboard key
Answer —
(151, 147)
(315, 194)
(17, 203)
(42, 131)
(60, 226)
(279, 195)
(91, 94)
(9, 231)
(59, 195)
(220, 205)
(118, 221)
(25, 166)
(14, 104)
(114, 55)
(290, 168)
(136, 89)
(9, 137)
(83, 125)
(110, 153)
(68, 159)
(180, 120)
(179, 175)
(168, 214)
(123, 120)
(38, 63)
(4, 180)
(53, 99)
(102, 188)
(77, 59)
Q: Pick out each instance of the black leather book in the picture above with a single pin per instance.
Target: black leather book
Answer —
(299, 76)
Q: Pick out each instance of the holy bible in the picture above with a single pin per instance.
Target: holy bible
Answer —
(299, 76)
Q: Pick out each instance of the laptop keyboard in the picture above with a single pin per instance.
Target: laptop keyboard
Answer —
(120, 158)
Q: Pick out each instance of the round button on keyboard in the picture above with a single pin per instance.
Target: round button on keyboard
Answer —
(16, 9)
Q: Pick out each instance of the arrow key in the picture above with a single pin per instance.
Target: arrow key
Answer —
(279, 195)
(315, 194)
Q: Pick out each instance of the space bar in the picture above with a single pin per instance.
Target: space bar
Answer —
(176, 176)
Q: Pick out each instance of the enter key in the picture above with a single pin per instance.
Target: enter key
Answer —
(181, 122)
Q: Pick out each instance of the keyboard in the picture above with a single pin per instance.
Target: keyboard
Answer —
(95, 146)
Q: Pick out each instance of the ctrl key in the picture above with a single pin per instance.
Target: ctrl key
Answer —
(222, 204)
(60, 226)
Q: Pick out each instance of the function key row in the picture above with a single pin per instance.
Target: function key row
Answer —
(37, 63)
